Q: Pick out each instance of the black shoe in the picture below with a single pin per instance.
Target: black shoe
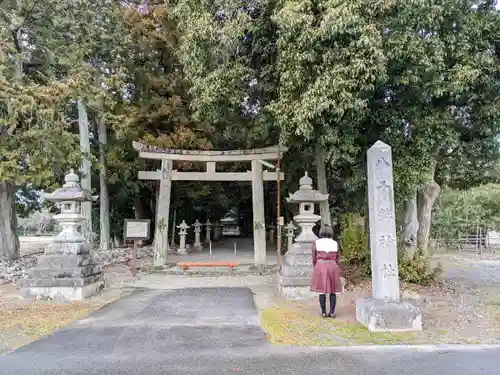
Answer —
(332, 315)
(324, 315)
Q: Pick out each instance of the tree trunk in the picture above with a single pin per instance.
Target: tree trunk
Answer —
(139, 210)
(83, 124)
(117, 241)
(105, 238)
(409, 231)
(324, 207)
(9, 242)
(426, 198)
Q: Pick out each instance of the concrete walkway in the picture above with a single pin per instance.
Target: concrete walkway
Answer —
(213, 331)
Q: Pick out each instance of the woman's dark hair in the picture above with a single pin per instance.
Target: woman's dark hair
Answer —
(326, 231)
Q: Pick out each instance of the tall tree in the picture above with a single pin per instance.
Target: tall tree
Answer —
(35, 130)
(228, 55)
(440, 102)
(330, 57)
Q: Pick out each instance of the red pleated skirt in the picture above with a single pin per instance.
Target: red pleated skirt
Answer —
(326, 278)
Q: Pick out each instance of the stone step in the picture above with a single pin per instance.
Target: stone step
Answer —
(60, 282)
(291, 271)
(295, 281)
(298, 259)
(238, 271)
(72, 272)
(62, 261)
(67, 248)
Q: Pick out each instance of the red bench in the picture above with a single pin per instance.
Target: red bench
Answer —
(185, 265)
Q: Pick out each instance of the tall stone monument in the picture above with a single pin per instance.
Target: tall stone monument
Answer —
(297, 268)
(66, 270)
(384, 311)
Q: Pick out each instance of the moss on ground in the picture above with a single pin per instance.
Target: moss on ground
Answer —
(295, 327)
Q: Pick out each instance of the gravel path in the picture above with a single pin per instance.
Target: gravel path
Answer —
(471, 269)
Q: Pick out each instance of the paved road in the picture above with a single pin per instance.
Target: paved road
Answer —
(212, 331)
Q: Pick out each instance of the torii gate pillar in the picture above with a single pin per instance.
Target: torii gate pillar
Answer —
(259, 225)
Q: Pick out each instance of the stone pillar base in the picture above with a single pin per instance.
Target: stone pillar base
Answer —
(71, 289)
(295, 292)
(388, 316)
(295, 275)
(66, 271)
(297, 287)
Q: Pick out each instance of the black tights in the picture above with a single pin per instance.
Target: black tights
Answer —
(322, 303)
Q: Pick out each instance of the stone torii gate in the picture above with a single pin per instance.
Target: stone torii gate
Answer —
(166, 175)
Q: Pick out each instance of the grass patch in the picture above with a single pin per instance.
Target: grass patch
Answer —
(296, 327)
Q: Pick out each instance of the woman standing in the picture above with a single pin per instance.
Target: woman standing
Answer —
(326, 275)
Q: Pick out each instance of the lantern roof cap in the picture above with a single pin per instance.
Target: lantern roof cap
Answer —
(71, 191)
(306, 193)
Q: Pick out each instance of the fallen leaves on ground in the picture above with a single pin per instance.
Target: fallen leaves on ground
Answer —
(42, 318)
(494, 308)
(23, 320)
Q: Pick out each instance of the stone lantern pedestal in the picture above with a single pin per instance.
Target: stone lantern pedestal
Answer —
(66, 270)
(297, 268)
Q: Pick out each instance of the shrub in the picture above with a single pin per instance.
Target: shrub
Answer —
(354, 243)
(417, 269)
(356, 254)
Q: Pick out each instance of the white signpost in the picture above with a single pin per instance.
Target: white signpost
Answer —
(135, 230)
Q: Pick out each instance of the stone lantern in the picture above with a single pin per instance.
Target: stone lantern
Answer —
(296, 271)
(208, 230)
(197, 235)
(66, 270)
(182, 237)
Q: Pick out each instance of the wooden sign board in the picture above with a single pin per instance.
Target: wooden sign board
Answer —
(136, 229)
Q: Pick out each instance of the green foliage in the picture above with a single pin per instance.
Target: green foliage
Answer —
(354, 243)
(36, 87)
(421, 76)
(418, 269)
(460, 212)
(438, 107)
(330, 59)
(356, 252)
